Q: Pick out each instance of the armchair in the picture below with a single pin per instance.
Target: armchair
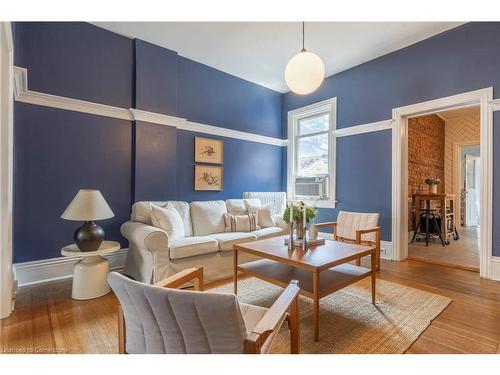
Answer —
(359, 228)
(160, 319)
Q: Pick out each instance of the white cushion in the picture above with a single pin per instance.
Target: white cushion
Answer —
(236, 206)
(168, 219)
(228, 239)
(141, 212)
(208, 217)
(277, 200)
(269, 232)
(266, 218)
(183, 247)
(349, 222)
(252, 315)
(253, 204)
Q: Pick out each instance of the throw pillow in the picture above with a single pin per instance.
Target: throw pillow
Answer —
(241, 223)
(168, 219)
(266, 218)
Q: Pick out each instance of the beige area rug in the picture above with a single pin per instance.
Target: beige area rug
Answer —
(349, 323)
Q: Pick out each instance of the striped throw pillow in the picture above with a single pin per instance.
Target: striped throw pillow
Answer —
(241, 223)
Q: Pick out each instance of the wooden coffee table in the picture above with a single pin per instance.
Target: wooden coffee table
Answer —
(321, 270)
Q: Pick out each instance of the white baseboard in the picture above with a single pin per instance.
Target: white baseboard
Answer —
(495, 268)
(385, 246)
(39, 271)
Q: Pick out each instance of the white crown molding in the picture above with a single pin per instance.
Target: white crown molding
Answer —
(156, 118)
(39, 271)
(365, 128)
(224, 132)
(23, 94)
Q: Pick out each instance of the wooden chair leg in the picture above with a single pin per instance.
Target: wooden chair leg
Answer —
(121, 331)
(294, 327)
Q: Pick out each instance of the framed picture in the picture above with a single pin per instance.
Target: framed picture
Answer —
(208, 150)
(208, 177)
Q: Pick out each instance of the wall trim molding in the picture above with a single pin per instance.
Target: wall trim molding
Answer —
(230, 133)
(495, 104)
(39, 271)
(365, 128)
(495, 268)
(24, 95)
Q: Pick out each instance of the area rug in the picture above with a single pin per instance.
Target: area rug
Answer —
(349, 323)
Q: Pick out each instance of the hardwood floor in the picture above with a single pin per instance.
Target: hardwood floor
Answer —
(463, 253)
(47, 320)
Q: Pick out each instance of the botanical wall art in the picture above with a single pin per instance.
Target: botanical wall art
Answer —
(208, 177)
(208, 150)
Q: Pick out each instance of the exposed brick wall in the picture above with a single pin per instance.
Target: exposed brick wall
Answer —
(426, 141)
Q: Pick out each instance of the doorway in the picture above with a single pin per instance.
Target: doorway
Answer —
(481, 98)
(444, 228)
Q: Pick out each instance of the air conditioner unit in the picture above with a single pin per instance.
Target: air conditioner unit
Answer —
(311, 188)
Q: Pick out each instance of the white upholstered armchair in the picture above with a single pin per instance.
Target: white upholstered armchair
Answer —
(160, 319)
(356, 227)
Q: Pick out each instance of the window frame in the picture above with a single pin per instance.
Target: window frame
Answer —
(294, 117)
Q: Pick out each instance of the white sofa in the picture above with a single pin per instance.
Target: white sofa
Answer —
(153, 256)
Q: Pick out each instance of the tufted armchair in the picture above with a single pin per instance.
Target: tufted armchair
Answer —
(160, 319)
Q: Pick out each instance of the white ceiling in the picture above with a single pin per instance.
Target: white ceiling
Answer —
(259, 51)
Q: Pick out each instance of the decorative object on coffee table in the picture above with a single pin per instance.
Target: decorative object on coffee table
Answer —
(298, 214)
(432, 182)
(86, 206)
(90, 273)
(208, 177)
(208, 150)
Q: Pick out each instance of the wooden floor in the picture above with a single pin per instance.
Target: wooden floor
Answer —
(47, 320)
(463, 253)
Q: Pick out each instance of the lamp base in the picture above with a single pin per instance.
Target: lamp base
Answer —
(89, 236)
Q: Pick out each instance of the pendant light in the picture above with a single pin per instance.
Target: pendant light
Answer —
(305, 71)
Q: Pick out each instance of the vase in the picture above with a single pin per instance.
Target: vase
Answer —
(313, 232)
(299, 229)
(433, 189)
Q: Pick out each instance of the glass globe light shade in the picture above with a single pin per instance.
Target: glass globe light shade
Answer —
(304, 73)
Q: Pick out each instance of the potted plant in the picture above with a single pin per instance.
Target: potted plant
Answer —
(432, 182)
(298, 216)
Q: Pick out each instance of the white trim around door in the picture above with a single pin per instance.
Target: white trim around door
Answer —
(6, 147)
(483, 98)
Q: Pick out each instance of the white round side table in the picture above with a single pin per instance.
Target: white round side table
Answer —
(90, 273)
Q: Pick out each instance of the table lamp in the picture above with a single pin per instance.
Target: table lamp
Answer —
(86, 206)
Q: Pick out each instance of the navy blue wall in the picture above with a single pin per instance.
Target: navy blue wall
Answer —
(57, 152)
(463, 59)
(155, 78)
(212, 97)
(76, 60)
(155, 162)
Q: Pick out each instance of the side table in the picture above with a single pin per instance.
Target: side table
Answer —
(90, 273)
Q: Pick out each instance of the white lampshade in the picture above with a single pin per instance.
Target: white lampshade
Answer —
(304, 73)
(88, 205)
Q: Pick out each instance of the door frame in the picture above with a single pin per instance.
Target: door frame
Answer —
(6, 167)
(481, 98)
(457, 170)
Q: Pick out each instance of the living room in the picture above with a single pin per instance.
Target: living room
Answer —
(240, 186)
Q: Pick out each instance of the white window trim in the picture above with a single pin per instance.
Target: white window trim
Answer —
(330, 106)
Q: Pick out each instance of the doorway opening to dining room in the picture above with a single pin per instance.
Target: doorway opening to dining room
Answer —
(444, 188)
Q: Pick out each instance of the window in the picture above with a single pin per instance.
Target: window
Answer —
(311, 152)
